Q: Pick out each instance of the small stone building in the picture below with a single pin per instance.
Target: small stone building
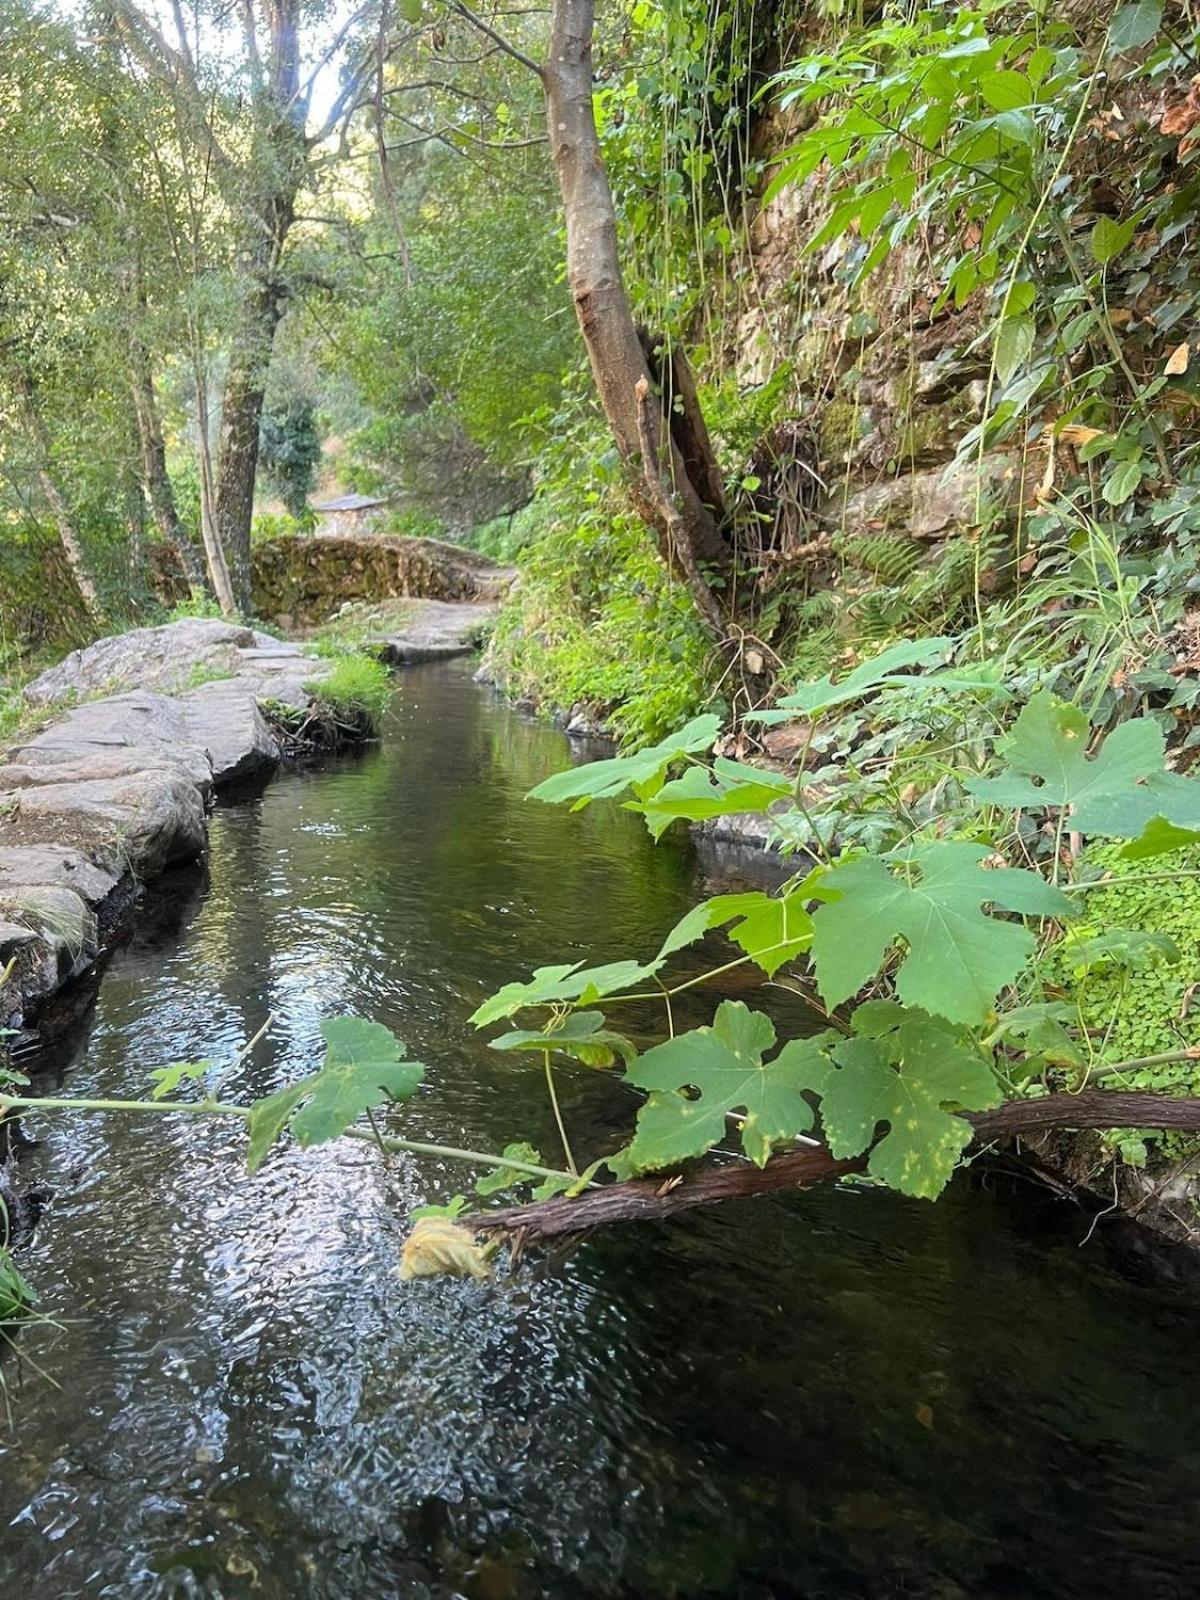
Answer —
(351, 515)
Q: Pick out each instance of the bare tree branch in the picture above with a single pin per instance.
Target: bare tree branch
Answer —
(506, 45)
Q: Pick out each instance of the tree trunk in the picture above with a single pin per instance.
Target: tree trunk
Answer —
(594, 273)
(278, 163)
(650, 1199)
(68, 536)
(155, 478)
(241, 413)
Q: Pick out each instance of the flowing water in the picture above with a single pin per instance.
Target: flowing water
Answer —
(839, 1394)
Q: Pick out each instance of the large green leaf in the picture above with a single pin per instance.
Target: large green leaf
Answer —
(581, 1035)
(700, 795)
(364, 1066)
(1118, 791)
(814, 699)
(563, 985)
(724, 1067)
(956, 958)
(643, 772)
(906, 1078)
(770, 929)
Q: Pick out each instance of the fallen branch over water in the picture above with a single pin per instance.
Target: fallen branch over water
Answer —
(651, 1199)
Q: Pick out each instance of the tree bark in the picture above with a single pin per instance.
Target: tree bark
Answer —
(649, 1199)
(614, 346)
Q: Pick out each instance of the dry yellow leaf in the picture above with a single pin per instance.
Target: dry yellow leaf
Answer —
(1177, 361)
(1076, 433)
(438, 1247)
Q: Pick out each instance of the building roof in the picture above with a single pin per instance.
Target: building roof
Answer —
(352, 502)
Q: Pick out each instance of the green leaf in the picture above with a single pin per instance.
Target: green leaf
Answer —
(1159, 837)
(1005, 91)
(167, 1079)
(1014, 341)
(1131, 948)
(1116, 792)
(452, 1210)
(770, 929)
(1040, 1029)
(563, 984)
(814, 699)
(603, 780)
(907, 1080)
(581, 1035)
(724, 1066)
(508, 1177)
(269, 1117)
(1134, 25)
(1109, 238)
(699, 795)
(363, 1067)
(1122, 481)
(957, 958)
(410, 10)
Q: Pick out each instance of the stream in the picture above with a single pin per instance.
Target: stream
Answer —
(834, 1395)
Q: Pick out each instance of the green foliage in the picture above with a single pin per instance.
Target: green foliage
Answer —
(597, 620)
(908, 1070)
(724, 1067)
(17, 1298)
(356, 688)
(956, 958)
(289, 448)
(1119, 790)
(364, 1067)
(1135, 1007)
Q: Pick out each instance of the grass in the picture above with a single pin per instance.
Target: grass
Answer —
(356, 690)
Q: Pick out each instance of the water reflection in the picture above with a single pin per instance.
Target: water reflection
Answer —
(837, 1395)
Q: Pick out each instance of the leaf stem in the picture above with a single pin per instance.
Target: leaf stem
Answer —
(562, 1132)
(216, 1108)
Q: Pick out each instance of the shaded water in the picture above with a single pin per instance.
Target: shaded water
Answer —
(834, 1395)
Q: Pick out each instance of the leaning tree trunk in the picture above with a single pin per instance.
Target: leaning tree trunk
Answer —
(665, 495)
(68, 536)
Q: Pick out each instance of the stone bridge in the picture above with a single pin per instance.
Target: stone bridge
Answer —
(301, 582)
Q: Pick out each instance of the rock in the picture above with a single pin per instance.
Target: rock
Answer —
(61, 920)
(55, 865)
(434, 630)
(13, 936)
(165, 658)
(124, 734)
(146, 820)
(787, 740)
(224, 720)
(931, 504)
(583, 723)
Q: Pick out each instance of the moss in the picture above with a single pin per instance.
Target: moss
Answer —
(841, 429)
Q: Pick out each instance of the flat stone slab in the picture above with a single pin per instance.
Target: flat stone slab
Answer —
(31, 865)
(143, 822)
(434, 630)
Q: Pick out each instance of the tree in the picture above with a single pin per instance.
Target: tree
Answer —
(247, 131)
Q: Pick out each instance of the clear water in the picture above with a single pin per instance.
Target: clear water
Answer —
(834, 1395)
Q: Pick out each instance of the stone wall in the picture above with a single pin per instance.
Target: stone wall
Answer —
(301, 582)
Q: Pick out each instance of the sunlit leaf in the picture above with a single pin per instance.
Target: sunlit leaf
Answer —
(581, 1035)
(814, 699)
(723, 1065)
(645, 771)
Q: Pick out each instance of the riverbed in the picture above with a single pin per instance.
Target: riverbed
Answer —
(840, 1394)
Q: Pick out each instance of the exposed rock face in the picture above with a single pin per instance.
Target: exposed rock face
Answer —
(306, 580)
(169, 659)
